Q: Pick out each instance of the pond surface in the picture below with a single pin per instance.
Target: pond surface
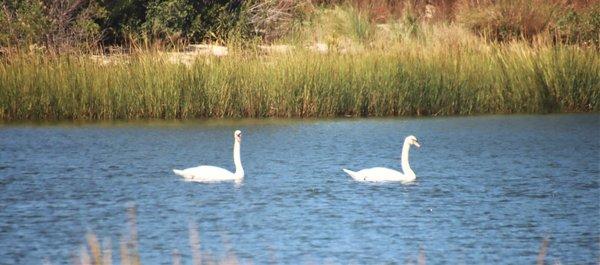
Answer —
(488, 190)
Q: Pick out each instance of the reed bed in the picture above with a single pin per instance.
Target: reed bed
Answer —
(408, 78)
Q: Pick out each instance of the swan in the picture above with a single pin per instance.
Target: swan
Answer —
(386, 174)
(214, 174)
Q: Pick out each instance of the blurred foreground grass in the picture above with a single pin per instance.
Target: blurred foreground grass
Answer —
(93, 253)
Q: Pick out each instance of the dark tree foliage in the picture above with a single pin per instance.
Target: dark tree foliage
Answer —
(56, 24)
(111, 22)
(124, 17)
(193, 20)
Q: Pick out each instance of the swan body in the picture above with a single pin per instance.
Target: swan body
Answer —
(380, 174)
(206, 173)
(215, 174)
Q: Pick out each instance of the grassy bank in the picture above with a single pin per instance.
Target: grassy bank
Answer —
(408, 78)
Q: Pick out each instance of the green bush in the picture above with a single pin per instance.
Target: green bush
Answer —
(54, 24)
(192, 20)
(24, 22)
(124, 20)
(579, 26)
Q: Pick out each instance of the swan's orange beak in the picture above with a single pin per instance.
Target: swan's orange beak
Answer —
(417, 144)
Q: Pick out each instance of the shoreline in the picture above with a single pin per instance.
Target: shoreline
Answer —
(263, 120)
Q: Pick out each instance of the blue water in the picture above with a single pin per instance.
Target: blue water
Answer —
(488, 190)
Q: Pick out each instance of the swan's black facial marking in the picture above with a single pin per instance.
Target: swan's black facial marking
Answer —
(415, 142)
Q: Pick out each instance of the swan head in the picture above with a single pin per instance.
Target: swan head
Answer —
(237, 135)
(411, 139)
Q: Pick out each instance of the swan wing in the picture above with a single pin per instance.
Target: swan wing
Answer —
(380, 174)
(205, 174)
(353, 174)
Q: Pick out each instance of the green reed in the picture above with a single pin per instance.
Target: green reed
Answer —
(409, 78)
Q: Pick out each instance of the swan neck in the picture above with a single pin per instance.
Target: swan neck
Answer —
(239, 170)
(404, 161)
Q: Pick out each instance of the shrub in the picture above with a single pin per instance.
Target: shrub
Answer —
(579, 26)
(193, 20)
(56, 24)
(505, 20)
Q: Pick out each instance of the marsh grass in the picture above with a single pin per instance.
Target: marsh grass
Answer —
(408, 78)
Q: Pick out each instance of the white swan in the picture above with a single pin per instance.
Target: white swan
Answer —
(213, 174)
(386, 174)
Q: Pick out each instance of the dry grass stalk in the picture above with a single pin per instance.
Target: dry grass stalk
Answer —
(107, 253)
(176, 257)
(542, 254)
(129, 251)
(95, 249)
(421, 259)
(195, 244)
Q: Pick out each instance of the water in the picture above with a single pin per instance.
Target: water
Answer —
(488, 190)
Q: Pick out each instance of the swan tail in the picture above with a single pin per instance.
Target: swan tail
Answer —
(178, 172)
(352, 174)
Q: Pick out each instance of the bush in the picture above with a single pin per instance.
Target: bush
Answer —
(125, 19)
(272, 20)
(62, 24)
(55, 24)
(507, 20)
(219, 20)
(192, 20)
(579, 26)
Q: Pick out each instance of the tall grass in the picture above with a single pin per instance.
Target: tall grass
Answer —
(409, 78)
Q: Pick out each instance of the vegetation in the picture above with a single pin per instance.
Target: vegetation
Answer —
(129, 254)
(380, 58)
(61, 24)
(93, 23)
(403, 80)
